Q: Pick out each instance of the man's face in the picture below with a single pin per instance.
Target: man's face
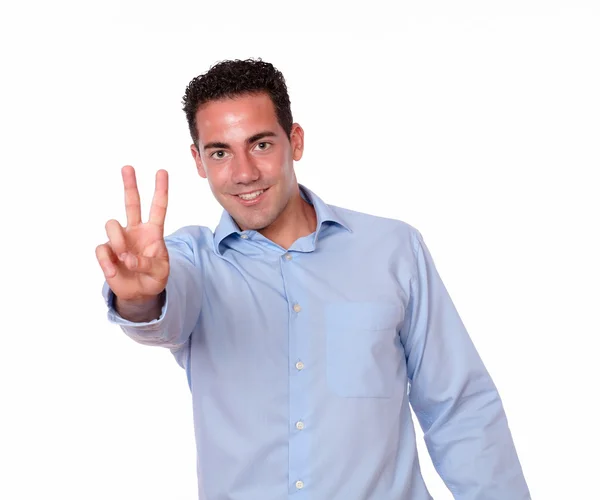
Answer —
(243, 150)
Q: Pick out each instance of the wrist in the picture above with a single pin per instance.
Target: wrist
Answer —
(140, 309)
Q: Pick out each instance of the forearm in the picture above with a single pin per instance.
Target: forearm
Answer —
(470, 443)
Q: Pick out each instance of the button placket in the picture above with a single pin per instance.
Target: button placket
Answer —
(298, 351)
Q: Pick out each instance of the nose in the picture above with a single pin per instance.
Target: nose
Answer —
(244, 170)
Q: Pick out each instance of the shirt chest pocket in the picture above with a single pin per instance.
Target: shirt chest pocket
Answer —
(363, 354)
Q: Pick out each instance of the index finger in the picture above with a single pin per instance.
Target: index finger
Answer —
(158, 209)
(133, 209)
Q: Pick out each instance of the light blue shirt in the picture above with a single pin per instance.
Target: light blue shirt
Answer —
(302, 365)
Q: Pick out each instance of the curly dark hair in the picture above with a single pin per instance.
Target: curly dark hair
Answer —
(233, 78)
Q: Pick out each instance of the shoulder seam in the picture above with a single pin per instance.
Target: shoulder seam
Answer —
(416, 247)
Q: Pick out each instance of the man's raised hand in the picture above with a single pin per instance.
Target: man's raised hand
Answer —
(135, 260)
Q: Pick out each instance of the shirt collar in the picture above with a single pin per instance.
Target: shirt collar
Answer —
(325, 214)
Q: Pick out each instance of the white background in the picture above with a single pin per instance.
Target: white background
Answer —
(476, 122)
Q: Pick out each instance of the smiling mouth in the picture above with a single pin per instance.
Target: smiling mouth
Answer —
(251, 196)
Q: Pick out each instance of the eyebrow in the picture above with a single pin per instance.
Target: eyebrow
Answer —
(250, 140)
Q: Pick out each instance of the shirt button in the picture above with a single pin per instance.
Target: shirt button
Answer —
(297, 308)
(288, 256)
(299, 365)
(299, 485)
(244, 236)
(299, 425)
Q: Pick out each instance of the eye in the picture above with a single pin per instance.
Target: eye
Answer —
(218, 155)
(263, 146)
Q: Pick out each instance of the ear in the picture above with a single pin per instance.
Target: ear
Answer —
(297, 141)
(198, 161)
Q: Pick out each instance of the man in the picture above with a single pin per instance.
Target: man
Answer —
(305, 329)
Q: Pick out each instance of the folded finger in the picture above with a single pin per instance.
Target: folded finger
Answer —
(107, 259)
(116, 237)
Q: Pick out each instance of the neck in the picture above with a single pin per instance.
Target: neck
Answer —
(297, 220)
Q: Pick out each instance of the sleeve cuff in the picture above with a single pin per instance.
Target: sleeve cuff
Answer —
(114, 317)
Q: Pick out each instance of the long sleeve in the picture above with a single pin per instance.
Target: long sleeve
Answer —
(455, 400)
(182, 305)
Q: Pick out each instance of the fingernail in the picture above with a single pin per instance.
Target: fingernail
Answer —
(134, 262)
(122, 256)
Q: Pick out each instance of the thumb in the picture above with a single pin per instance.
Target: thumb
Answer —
(140, 263)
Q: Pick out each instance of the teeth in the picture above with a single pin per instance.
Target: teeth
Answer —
(251, 196)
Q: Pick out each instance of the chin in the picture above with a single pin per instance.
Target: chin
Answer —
(254, 223)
